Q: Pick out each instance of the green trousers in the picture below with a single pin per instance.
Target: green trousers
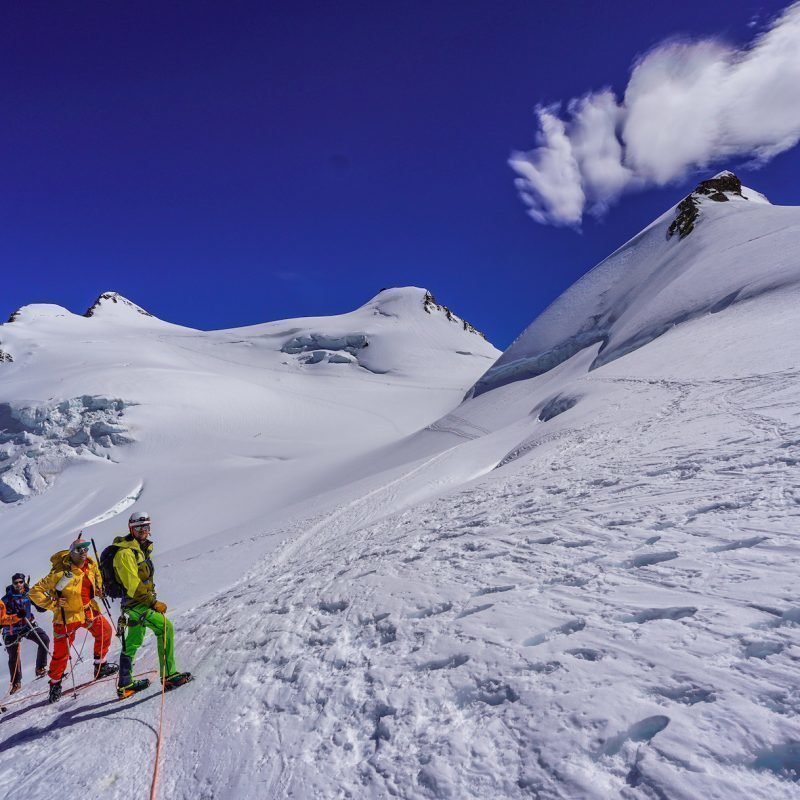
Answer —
(140, 618)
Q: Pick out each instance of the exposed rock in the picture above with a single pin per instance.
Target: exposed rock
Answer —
(14, 316)
(114, 297)
(5, 357)
(429, 304)
(719, 188)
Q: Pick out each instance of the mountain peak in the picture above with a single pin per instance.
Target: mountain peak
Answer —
(114, 301)
(389, 301)
(723, 187)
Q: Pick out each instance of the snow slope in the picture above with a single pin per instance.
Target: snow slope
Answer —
(579, 583)
(218, 430)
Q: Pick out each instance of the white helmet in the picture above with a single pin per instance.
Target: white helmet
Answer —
(138, 519)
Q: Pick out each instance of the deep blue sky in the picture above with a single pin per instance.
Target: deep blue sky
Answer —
(227, 163)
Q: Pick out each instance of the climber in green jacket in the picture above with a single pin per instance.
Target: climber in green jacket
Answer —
(134, 570)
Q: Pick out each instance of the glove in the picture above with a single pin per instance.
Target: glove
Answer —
(160, 607)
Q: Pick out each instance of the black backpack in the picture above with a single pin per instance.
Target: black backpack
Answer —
(111, 585)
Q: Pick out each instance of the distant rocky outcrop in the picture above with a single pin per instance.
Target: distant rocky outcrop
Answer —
(14, 316)
(720, 188)
(430, 305)
(114, 297)
(5, 357)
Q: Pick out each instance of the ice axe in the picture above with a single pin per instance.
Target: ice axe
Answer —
(102, 591)
(62, 584)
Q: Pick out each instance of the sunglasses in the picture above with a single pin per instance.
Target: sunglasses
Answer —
(16, 582)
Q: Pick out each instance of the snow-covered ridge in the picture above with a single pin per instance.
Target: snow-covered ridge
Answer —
(740, 247)
(266, 395)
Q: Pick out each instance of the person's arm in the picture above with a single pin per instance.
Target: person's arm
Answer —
(42, 593)
(127, 571)
(6, 618)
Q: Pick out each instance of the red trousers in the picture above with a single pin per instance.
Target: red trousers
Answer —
(99, 628)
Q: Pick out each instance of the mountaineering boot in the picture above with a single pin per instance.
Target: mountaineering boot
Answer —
(15, 687)
(176, 679)
(40, 673)
(132, 688)
(104, 670)
(55, 692)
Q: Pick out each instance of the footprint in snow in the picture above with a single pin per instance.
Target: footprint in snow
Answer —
(567, 629)
(738, 544)
(545, 668)
(585, 654)
(333, 606)
(489, 691)
(468, 612)
(450, 662)
(494, 590)
(688, 695)
(569, 580)
(783, 760)
(650, 614)
(762, 649)
(648, 559)
(431, 611)
(642, 731)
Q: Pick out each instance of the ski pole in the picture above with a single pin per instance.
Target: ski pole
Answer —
(36, 634)
(102, 591)
(60, 586)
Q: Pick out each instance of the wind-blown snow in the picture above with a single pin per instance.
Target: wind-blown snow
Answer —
(576, 584)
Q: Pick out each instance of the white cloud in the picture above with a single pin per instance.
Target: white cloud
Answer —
(687, 105)
(550, 183)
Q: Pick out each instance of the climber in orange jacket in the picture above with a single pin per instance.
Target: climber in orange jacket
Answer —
(70, 592)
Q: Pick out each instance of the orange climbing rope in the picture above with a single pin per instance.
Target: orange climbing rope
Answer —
(27, 697)
(16, 672)
(163, 666)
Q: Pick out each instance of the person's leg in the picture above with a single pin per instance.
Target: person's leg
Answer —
(134, 636)
(165, 639)
(101, 630)
(43, 644)
(14, 665)
(62, 639)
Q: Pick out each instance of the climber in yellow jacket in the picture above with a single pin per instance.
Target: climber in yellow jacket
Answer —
(70, 591)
